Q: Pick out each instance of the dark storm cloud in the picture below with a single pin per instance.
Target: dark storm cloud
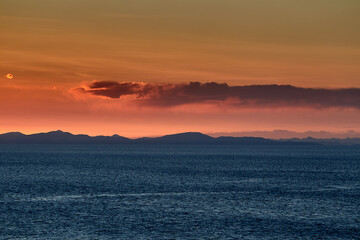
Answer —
(252, 95)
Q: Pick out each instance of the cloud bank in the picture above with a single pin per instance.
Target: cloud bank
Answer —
(212, 92)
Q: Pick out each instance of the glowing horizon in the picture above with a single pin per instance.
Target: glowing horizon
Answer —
(64, 65)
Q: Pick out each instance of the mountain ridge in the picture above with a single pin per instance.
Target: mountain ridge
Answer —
(60, 137)
(286, 134)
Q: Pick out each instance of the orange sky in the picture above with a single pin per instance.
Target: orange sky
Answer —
(52, 47)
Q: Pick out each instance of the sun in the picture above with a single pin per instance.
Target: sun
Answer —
(9, 76)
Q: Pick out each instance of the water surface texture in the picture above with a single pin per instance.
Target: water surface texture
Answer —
(179, 192)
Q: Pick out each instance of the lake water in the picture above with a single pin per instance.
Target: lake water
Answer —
(179, 192)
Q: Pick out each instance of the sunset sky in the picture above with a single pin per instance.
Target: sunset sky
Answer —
(152, 67)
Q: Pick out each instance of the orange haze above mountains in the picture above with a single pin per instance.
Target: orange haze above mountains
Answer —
(144, 68)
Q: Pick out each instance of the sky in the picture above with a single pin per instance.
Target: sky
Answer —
(152, 67)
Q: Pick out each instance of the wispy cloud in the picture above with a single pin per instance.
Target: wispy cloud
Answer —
(251, 95)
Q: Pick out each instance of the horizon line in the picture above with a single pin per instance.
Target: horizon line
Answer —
(213, 134)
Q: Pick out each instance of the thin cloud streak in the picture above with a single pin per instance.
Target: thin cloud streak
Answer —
(167, 95)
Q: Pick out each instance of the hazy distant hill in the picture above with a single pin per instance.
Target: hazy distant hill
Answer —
(60, 137)
(285, 134)
(326, 141)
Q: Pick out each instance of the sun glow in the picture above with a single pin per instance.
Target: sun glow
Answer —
(9, 76)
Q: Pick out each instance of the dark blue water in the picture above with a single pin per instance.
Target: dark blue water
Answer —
(179, 192)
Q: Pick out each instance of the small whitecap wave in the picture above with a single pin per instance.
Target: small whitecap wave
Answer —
(58, 198)
(342, 187)
(336, 188)
(249, 180)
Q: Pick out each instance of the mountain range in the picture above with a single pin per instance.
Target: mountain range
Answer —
(60, 137)
(286, 134)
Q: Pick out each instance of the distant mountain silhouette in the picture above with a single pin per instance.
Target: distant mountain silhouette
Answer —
(180, 138)
(56, 137)
(246, 140)
(326, 141)
(60, 137)
(285, 134)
